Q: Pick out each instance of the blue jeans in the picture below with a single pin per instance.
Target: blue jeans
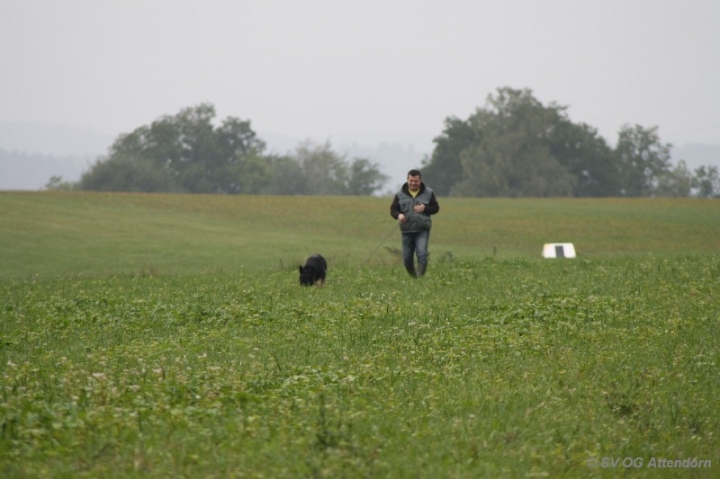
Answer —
(415, 243)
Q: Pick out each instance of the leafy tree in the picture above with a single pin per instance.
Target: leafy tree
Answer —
(586, 156)
(56, 183)
(706, 181)
(253, 172)
(120, 173)
(509, 166)
(444, 169)
(286, 176)
(510, 155)
(676, 182)
(364, 177)
(516, 146)
(187, 149)
(323, 171)
(642, 159)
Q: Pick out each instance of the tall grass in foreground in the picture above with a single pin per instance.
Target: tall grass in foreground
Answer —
(494, 368)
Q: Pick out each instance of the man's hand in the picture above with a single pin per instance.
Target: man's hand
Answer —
(401, 218)
(419, 208)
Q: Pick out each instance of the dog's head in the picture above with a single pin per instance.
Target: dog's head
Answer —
(307, 275)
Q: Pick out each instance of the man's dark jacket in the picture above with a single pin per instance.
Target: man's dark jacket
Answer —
(403, 203)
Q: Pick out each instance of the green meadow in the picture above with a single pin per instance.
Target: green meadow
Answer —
(60, 235)
(167, 336)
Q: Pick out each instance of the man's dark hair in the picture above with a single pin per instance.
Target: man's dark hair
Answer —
(415, 173)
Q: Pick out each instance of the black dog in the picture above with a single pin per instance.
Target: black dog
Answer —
(313, 271)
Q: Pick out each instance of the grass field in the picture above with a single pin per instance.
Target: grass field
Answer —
(166, 336)
(56, 234)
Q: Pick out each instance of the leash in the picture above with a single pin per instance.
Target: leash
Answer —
(378, 246)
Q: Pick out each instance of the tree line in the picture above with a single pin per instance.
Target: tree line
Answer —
(187, 153)
(516, 146)
(513, 146)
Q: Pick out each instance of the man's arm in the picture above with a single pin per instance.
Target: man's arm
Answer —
(395, 207)
(432, 207)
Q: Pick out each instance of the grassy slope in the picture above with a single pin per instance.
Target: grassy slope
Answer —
(56, 234)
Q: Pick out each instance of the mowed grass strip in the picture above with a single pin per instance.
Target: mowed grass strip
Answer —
(56, 234)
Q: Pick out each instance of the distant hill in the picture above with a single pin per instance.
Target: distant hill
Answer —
(32, 171)
(31, 153)
(53, 140)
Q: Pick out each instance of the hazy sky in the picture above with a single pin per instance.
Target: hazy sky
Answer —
(361, 70)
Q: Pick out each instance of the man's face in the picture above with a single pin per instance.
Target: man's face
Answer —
(413, 183)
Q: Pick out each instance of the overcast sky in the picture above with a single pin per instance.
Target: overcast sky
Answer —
(365, 70)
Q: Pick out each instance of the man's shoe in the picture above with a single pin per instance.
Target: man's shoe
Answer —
(422, 267)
